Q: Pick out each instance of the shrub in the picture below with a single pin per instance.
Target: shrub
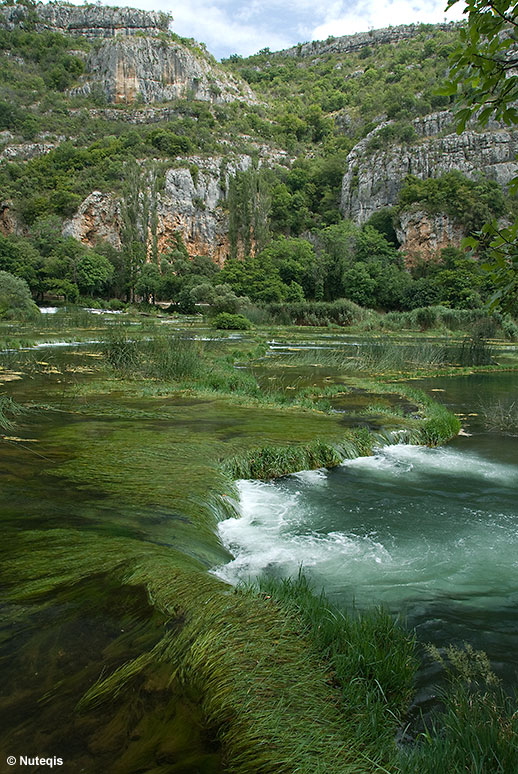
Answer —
(341, 312)
(15, 298)
(231, 322)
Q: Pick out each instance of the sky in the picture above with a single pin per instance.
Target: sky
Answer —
(231, 27)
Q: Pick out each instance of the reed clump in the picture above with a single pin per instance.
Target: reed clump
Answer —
(500, 415)
(319, 313)
(478, 729)
(371, 657)
(9, 410)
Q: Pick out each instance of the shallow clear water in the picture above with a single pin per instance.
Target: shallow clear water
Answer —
(429, 533)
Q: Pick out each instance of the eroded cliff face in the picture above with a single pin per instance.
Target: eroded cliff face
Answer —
(423, 235)
(152, 69)
(97, 219)
(349, 43)
(137, 58)
(193, 205)
(92, 21)
(374, 178)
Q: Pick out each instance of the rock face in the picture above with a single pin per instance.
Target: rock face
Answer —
(137, 58)
(374, 177)
(97, 219)
(348, 43)
(93, 21)
(194, 206)
(8, 221)
(156, 70)
(423, 236)
(26, 150)
(191, 203)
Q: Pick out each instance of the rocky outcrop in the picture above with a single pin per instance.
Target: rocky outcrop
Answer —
(423, 235)
(97, 219)
(347, 44)
(156, 70)
(374, 177)
(145, 115)
(137, 57)
(92, 21)
(9, 223)
(192, 203)
(26, 150)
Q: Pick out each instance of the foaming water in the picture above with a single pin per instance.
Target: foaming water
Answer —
(422, 460)
(432, 533)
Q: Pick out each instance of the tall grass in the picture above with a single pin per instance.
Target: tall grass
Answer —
(9, 409)
(121, 352)
(271, 461)
(478, 729)
(319, 313)
(371, 659)
(173, 357)
(382, 355)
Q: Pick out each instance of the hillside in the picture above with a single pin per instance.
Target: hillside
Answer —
(137, 145)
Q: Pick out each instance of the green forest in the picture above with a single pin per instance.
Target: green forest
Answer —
(288, 240)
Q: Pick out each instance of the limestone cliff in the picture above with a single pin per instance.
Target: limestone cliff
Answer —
(374, 177)
(192, 203)
(136, 56)
(423, 235)
(348, 43)
(92, 21)
(153, 69)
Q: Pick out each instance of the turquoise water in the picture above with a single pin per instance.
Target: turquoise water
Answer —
(432, 534)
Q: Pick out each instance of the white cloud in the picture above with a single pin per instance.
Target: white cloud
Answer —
(225, 32)
(376, 14)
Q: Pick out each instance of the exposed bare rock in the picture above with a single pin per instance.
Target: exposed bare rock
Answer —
(349, 43)
(423, 235)
(191, 203)
(97, 219)
(26, 150)
(156, 70)
(9, 223)
(145, 115)
(93, 21)
(374, 177)
(196, 208)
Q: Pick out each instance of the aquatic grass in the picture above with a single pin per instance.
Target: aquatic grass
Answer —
(267, 462)
(435, 425)
(9, 410)
(500, 415)
(371, 656)
(379, 355)
(474, 351)
(269, 693)
(172, 357)
(265, 693)
(478, 729)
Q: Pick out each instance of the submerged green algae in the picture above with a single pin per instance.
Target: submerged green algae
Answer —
(121, 501)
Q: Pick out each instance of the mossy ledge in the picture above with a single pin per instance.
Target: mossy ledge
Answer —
(436, 425)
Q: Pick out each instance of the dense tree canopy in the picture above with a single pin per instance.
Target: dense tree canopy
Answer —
(484, 79)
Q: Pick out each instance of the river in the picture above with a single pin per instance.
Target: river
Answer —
(432, 534)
